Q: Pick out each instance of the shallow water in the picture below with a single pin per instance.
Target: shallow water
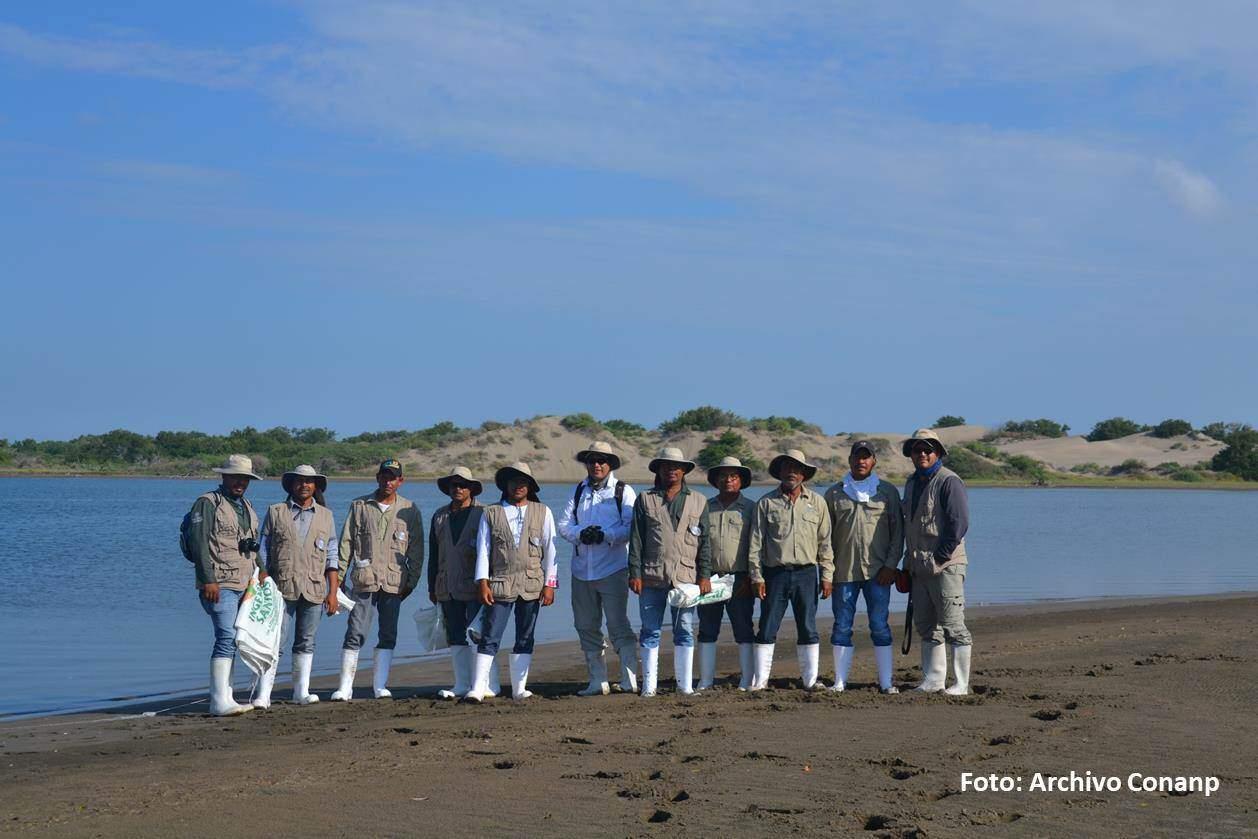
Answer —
(100, 608)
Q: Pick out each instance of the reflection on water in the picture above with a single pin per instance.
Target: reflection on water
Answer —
(102, 605)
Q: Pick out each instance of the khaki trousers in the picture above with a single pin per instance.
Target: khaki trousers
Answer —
(939, 606)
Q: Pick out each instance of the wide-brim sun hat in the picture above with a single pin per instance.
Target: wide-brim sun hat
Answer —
(927, 435)
(729, 463)
(671, 454)
(506, 473)
(599, 447)
(464, 474)
(775, 465)
(237, 464)
(304, 471)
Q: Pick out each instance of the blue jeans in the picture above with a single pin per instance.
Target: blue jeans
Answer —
(388, 605)
(496, 625)
(796, 585)
(457, 615)
(223, 615)
(877, 604)
(303, 616)
(651, 604)
(739, 609)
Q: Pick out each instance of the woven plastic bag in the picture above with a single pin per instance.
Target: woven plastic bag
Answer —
(686, 595)
(260, 625)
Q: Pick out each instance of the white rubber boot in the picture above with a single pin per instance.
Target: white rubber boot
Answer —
(519, 664)
(882, 655)
(461, 657)
(842, 666)
(707, 665)
(380, 674)
(934, 663)
(265, 683)
(764, 667)
(809, 656)
(302, 663)
(480, 679)
(684, 669)
(349, 666)
(747, 663)
(495, 679)
(222, 704)
(628, 668)
(960, 671)
(650, 657)
(596, 664)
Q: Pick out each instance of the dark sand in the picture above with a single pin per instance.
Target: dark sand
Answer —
(1164, 687)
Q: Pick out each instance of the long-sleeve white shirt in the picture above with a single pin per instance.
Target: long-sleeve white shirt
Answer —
(515, 518)
(594, 562)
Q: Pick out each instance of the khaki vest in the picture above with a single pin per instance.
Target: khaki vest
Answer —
(456, 561)
(378, 544)
(515, 572)
(299, 568)
(232, 569)
(921, 529)
(670, 553)
(730, 534)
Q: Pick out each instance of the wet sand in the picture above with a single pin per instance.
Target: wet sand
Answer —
(1159, 687)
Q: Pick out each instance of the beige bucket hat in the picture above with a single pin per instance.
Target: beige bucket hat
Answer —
(463, 473)
(671, 454)
(518, 468)
(605, 449)
(729, 463)
(305, 471)
(927, 434)
(237, 464)
(775, 465)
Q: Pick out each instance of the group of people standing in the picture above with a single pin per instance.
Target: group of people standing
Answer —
(496, 564)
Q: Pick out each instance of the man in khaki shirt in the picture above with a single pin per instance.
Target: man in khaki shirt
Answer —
(868, 542)
(790, 541)
(729, 522)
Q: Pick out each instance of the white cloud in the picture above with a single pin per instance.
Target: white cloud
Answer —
(1191, 190)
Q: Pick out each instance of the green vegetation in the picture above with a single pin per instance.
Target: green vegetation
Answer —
(1131, 466)
(729, 444)
(1240, 458)
(1224, 431)
(703, 418)
(580, 422)
(624, 428)
(1033, 428)
(1171, 428)
(1114, 428)
(1088, 469)
(948, 421)
(783, 425)
(973, 467)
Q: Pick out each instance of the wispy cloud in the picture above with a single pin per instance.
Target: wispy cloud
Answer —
(1191, 190)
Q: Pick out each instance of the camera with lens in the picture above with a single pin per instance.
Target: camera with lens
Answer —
(592, 535)
(249, 546)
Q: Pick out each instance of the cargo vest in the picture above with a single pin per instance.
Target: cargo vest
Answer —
(456, 561)
(670, 552)
(379, 543)
(232, 569)
(515, 571)
(921, 529)
(730, 534)
(299, 568)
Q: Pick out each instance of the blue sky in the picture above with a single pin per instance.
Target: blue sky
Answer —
(386, 214)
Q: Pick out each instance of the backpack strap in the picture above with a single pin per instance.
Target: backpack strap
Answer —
(620, 498)
(576, 502)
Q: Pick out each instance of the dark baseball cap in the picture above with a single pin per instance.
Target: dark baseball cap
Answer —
(863, 444)
(391, 465)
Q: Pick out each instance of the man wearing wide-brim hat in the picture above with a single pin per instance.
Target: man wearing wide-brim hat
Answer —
(452, 570)
(668, 546)
(381, 559)
(937, 517)
(300, 548)
(221, 541)
(868, 535)
(516, 575)
(790, 544)
(729, 519)
(596, 521)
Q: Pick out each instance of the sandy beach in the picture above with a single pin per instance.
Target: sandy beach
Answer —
(1158, 687)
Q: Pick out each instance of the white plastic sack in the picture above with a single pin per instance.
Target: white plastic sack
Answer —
(476, 627)
(432, 629)
(687, 594)
(260, 625)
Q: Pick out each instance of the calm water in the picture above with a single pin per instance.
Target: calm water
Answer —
(99, 605)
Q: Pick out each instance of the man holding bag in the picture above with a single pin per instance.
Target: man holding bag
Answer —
(729, 517)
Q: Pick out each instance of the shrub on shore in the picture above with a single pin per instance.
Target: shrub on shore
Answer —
(949, 421)
(703, 418)
(729, 444)
(1171, 428)
(1114, 428)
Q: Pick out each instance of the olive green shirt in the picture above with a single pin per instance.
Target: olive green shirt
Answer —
(730, 529)
(867, 535)
(790, 534)
(202, 522)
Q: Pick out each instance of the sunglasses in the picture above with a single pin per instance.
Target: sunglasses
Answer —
(922, 449)
(597, 461)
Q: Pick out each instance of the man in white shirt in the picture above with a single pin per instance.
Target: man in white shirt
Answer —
(516, 574)
(597, 522)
